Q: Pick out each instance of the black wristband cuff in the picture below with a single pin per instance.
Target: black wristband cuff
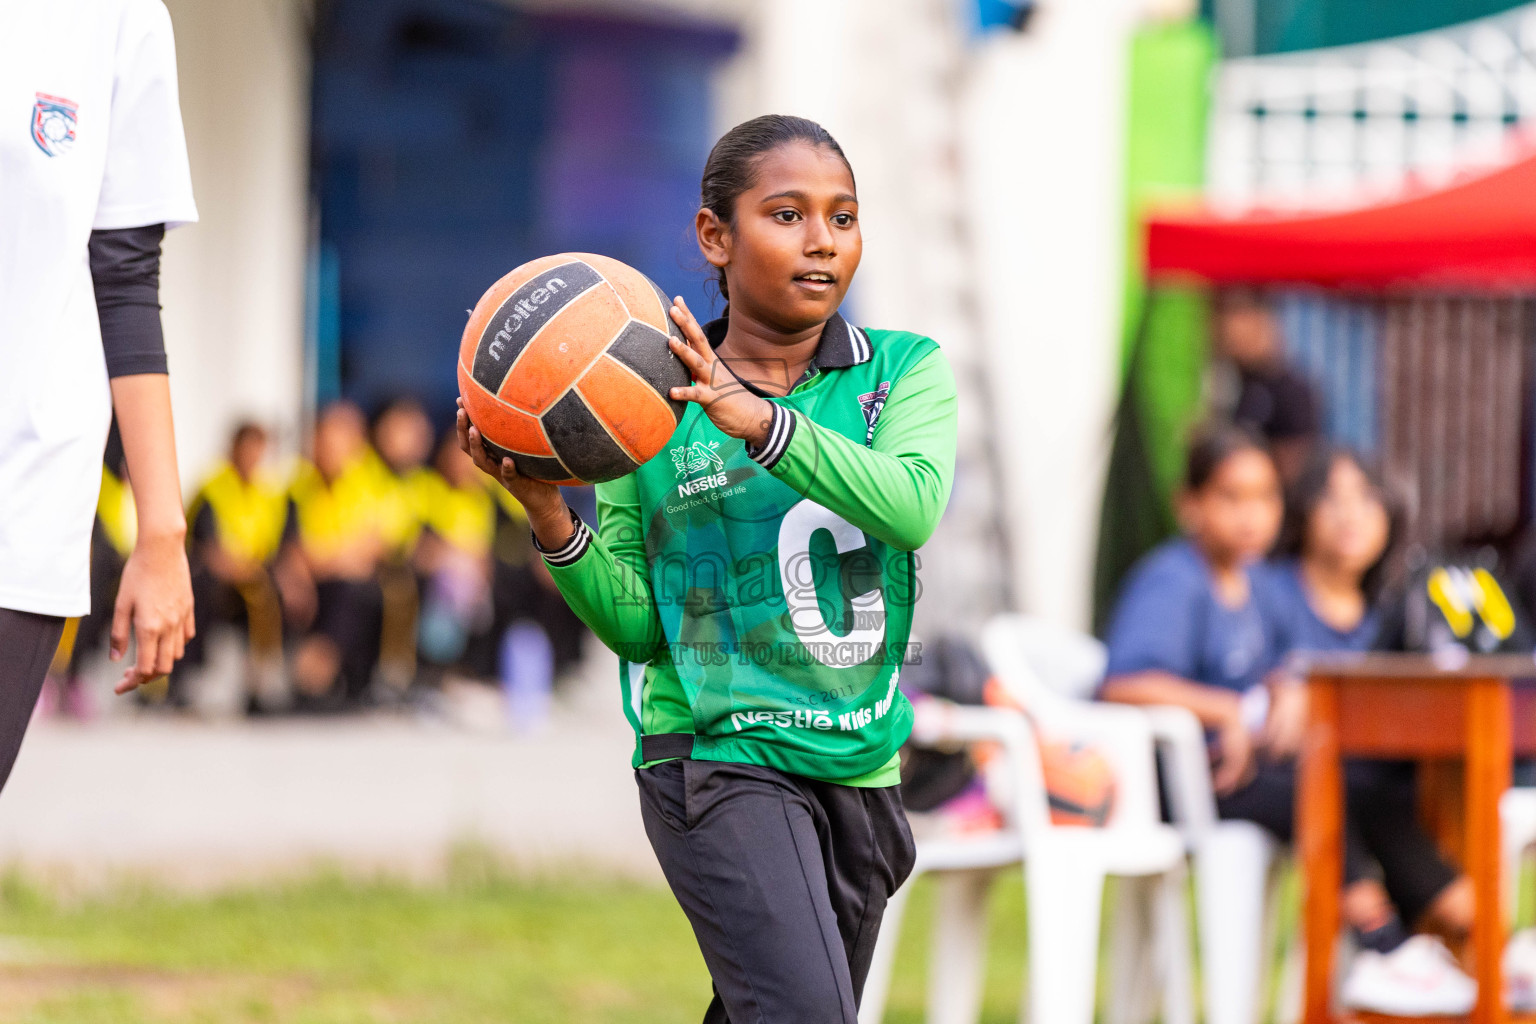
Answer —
(780, 430)
(572, 549)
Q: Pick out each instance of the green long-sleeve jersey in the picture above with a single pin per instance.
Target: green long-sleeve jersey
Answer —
(761, 601)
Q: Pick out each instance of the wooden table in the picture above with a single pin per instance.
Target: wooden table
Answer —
(1405, 706)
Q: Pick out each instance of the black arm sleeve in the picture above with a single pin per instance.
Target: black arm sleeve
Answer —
(125, 268)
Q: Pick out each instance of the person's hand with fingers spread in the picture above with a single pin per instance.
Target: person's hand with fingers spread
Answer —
(725, 399)
(548, 514)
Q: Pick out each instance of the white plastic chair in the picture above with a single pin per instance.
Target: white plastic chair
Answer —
(1065, 869)
(966, 867)
(1236, 870)
(1517, 835)
(1234, 862)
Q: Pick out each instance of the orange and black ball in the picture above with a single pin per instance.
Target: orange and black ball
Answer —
(564, 367)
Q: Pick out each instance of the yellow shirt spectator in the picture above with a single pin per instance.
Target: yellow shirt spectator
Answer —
(335, 518)
(248, 515)
(119, 517)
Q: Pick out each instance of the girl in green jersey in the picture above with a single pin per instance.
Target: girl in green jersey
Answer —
(757, 580)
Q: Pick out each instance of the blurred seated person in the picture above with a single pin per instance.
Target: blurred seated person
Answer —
(1252, 383)
(237, 519)
(402, 447)
(1201, 624)
(402, 444)
(327, 572)
(1340, 525)
(454, 556)
(535, 637)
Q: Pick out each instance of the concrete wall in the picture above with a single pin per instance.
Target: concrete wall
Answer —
(233, 284)
(1045, 132)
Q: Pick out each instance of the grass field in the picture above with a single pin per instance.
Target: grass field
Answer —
(484, 947)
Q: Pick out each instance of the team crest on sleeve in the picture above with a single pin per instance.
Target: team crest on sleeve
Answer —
(53, 124)
(872, 403)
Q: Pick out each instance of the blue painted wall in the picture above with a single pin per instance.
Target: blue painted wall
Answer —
(456, 139)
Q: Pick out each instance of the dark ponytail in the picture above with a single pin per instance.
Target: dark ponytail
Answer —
(732, 165)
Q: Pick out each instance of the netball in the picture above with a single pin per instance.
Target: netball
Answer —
(564, 367)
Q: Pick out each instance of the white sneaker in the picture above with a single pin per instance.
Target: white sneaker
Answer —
(1520, 970)
(1420, 978)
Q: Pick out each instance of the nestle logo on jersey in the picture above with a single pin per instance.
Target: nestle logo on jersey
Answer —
(782, 719)
(701, 484)
(521, 311)
(690, 458)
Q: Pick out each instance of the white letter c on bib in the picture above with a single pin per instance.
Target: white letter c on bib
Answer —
(868, 631)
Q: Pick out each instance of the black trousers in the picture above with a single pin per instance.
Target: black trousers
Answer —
(1381, 827)
(27, 646)
(214, 602)
(785, 881)
(351, 614)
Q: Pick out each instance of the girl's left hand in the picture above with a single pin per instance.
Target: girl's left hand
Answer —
(726, 401)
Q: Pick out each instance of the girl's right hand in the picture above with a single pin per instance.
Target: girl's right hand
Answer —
(547, 512)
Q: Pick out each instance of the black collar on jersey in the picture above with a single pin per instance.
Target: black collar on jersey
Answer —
(842, 345)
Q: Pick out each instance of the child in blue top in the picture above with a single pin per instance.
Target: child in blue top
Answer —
(1339, 528)
(1194, 626)
(1340, 525)
(1203, 624)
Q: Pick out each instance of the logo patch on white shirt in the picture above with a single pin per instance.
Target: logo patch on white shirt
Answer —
(53, 124)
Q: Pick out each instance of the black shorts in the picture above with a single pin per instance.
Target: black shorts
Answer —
(784, 879)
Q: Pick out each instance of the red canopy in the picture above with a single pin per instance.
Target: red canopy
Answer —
(1479, 234)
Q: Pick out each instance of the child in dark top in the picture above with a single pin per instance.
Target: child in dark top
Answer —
(1340, 524)
(1255, 385)
(1203, 624)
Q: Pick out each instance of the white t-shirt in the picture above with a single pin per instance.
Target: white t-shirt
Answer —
(90, 138)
